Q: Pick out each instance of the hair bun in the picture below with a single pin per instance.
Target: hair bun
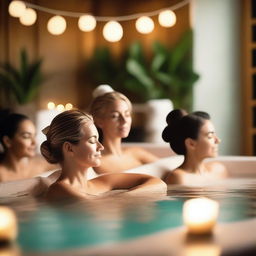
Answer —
(101, 90)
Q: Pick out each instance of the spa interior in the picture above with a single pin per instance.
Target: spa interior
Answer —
(196, 55)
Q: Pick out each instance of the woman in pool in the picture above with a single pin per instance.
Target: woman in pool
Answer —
(111, 111)
(72, 141)
(193, 135)
(18, 159)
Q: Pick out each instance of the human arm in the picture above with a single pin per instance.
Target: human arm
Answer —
(39, 165)
(143, 155)
(134, 183)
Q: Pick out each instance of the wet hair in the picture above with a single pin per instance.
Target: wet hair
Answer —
(180, 126)
(9, 124)
(65, 127)
(100, 102)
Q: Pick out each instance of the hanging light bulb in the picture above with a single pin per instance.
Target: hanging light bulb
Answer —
(113, 31)
(56, 25)
(144, 25)
(87, 23)
(16, 8)
(167, 18)
(28, 18)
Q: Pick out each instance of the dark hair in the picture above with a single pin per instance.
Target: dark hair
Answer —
(9, 123)
(180, 126)
(66, 126)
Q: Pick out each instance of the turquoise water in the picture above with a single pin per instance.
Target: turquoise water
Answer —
(47, 228)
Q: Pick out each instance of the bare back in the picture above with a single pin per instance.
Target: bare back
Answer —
(130, 158)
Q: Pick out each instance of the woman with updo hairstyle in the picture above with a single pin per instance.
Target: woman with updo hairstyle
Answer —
(18, 159)
(112, 112)
(72, 141)
(193, 135)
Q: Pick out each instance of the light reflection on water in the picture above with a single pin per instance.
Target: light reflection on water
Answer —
(45, 227)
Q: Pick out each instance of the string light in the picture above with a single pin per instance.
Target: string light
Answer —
(87, 23)
(28, 17)
(57, 24)
(167, 18)
(16, 8)
(112, 31)
(144, 25)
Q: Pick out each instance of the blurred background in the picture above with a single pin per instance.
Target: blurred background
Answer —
(203, 59)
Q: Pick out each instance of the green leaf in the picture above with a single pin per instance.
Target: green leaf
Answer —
(22, 82)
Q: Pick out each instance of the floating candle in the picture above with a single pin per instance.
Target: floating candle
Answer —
(200, 215)
(8, 224)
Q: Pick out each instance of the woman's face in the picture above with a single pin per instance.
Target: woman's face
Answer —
(23, 143)
(117, 120)
(88, 151)
(207, 142)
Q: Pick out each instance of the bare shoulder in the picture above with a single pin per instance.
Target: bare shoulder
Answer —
(38, 165)
(217, 169)
(174, 177)
(143, 155)
(60, 190)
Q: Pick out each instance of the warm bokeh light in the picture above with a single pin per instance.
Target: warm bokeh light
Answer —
(60, 107)
(144, 25)
(200, 215)
(112, 31)
(8, 224)
(68, 106)
(167, 18)
(51, 105)
(202, 249)
(56, 25)
(87, 23)
(28, 18)
(16, 8)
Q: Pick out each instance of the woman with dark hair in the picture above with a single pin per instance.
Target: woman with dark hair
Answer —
(193, 135)
(112, 112)
(18, 159)
(72, 141)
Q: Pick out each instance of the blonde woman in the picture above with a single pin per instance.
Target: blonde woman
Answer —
(112, 111)
(72, 141)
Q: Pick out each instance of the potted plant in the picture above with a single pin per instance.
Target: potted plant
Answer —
(168, 74)
(21, 83)
(165, 81)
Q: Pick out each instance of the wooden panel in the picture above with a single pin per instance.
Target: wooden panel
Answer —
(248, 32)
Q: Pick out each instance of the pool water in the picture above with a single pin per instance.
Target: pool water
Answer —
(47, 228)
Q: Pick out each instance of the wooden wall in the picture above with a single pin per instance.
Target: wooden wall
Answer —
(64, 56)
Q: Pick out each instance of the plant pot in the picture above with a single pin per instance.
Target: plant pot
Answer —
(28, 109)
(157, 110)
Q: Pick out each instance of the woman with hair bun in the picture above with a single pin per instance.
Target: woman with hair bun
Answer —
(18, 159)
(111, 111)
(72, 141)
(193, 135)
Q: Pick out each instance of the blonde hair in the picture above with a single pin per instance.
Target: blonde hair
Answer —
(99, 104)
(66, 126)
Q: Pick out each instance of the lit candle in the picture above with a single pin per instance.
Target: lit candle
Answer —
(8, 224)
(50, 105)
(60, 107)
(68, 106)
(200, 215)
